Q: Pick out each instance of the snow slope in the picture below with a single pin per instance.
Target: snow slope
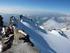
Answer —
(59, 43)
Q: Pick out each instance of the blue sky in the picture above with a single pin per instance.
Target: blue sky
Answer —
(62, 6)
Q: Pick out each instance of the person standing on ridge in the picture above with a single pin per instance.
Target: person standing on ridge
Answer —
(1, 21)
(1, 24)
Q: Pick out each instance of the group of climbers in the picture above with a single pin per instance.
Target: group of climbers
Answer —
(7, 31)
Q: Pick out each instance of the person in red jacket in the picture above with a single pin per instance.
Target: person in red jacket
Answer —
(9, 31)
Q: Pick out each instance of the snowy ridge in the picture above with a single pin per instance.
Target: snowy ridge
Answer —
(50, 42)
